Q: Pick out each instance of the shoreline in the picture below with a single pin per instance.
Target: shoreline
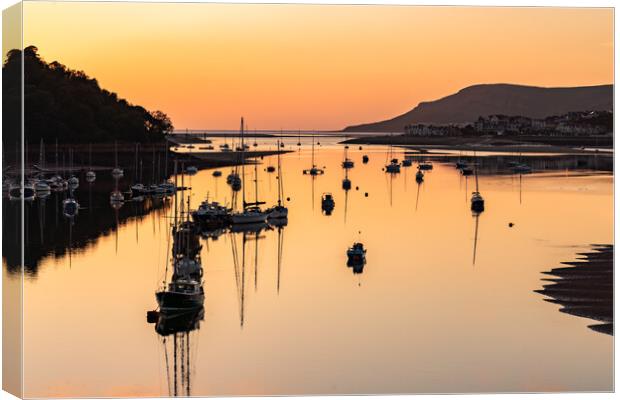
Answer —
(559, 145)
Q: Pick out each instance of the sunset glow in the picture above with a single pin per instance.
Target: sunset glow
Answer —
(314, 66)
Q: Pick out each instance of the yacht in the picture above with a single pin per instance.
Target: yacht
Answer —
(181, 294)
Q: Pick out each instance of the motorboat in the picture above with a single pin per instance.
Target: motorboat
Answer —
(191, 170)
(477, 202)
(356, 254)
(181, 294)
(407, 162)
(211, 213)
(327, 203)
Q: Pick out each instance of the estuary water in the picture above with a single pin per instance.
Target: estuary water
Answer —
(445, 302)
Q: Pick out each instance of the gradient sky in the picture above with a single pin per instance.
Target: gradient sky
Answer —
(314, 66)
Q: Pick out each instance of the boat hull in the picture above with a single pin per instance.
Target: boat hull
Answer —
(179, 301)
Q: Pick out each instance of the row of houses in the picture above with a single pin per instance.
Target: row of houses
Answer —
(571, 124)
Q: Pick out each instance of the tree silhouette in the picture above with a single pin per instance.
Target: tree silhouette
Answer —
(68, 105)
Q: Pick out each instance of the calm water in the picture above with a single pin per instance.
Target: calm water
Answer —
(422, 317)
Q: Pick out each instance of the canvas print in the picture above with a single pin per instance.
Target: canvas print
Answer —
(216, 199)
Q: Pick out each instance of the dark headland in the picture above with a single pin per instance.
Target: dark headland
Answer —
(469, 103)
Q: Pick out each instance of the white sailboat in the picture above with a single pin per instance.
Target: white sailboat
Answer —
(90, 174)
(251, 211)
(314, 170)
(116, 172)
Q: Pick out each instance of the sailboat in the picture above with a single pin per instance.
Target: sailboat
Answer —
(279, 211)
(393, 167)
(137, 189)
(419, 176)
(184, 291)
(116, 172)
(314, 170)
(41, 186)
(73, 180)
(90, 174)
(477, 201)
(251, 211)
(347, 162)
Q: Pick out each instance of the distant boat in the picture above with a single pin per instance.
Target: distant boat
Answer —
(407, 162)
(522, 169)
(116, 197)
(217, 173)
(191, 170)
(90, 174)
(271, 168)
(42, 187)
(466, 171)
(419, 176)
(327, 203)
(27, 193)
(347, 162)
(251, 211)
(425, 166)
(314, 170)
(346, 184)
(278, 211)
(365, 159)
(393, 167)
(356, 254)
(70, 207)
(116, 172)
(477, 201)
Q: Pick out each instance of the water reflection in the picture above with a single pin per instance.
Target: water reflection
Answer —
(294, 306)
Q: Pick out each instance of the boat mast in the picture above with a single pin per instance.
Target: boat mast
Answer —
(313, 150)
(242, 165)
(280, 186)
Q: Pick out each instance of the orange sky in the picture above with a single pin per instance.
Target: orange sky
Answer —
(314, 66)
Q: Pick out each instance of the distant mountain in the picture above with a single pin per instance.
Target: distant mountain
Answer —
(481, 100)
